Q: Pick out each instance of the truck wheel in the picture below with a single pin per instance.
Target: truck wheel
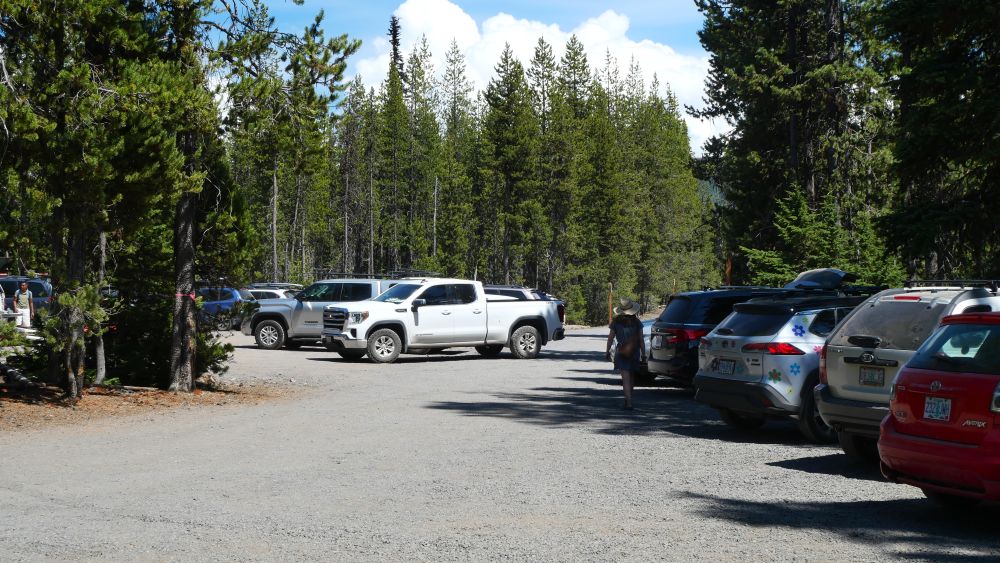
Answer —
(270, 335)
(858, 448)
(741, 421)
(384, 346)
(351, 355)
(811, 425)
(489, 350)
(526, 343)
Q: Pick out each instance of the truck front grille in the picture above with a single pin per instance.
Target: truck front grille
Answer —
(335, 319)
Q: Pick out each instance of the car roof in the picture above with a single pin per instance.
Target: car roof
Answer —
(798, 303)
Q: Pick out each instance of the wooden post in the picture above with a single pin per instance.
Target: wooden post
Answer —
(611, 289)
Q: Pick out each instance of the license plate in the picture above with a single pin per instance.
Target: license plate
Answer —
(657, 341)
(937, 408)
(872, 376)
(727, 367)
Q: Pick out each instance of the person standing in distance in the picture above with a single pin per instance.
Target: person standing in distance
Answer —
(24, 305)
(626, 329)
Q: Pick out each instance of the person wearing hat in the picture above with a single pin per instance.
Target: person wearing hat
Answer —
(626, 329)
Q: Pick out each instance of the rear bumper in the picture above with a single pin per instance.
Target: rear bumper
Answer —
(678, 367)
(946, 467)
(846, 415)
(741, 396)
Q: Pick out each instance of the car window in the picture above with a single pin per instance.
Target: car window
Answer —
(823, 323)
(435, 295)
(676, 310)
(322, 292)
(37, 289)
(717, 309)
(901, 325)
(397, 293)
(247, 295)
(961, 348)
(261, 294)
(753, 324)
(9, 287)
(464, 293)
(356, 292)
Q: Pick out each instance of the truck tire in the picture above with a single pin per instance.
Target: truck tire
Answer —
(811, 425)
(526, 343)
(352, 355)
(741, 421)
(384, 346)
(269, 334)
(489, 350)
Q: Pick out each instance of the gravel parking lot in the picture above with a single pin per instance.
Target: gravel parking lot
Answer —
(456, 458)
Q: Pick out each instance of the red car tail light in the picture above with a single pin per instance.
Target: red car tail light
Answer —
(822, 365)
(774, 349)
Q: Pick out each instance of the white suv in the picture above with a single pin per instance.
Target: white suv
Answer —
(866, 350)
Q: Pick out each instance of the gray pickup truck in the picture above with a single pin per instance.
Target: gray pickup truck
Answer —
(299, 320)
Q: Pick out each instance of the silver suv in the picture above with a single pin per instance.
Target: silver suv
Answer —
(762, 361)
(864, 353)
(299, 320)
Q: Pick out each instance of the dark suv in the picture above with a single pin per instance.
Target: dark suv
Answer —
(41, 291)
(688, 317)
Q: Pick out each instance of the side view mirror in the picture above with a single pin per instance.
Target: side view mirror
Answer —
(417, 303)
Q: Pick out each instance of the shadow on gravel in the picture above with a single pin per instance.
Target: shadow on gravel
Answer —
(657, 410)
(834, 464)
(905, 528)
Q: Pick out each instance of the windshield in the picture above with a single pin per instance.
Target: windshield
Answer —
(961, 348)
(762, 323)
(901, 325)
(397, 293)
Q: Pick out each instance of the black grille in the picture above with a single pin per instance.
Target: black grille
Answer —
(335, 319)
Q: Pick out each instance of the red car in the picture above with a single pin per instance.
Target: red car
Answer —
(942, 433)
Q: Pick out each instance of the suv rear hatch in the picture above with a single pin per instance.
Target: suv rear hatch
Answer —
(948, 391)
(736, 348)
(864, 353)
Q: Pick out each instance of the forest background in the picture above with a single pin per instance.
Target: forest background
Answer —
(149, 143)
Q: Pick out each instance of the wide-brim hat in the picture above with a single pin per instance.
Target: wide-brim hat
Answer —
(627, 307)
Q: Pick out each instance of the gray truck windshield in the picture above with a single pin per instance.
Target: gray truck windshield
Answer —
(397, 293)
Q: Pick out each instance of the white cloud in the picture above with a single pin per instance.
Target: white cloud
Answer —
(441, 20)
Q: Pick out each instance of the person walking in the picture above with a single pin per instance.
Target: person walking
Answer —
(626, 329)
(24, 305)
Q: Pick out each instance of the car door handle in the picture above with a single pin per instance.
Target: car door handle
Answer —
(477, 311)
(445, 312)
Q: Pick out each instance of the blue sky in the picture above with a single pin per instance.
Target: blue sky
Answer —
(660, 36)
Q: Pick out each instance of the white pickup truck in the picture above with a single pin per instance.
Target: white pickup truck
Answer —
(423, 315)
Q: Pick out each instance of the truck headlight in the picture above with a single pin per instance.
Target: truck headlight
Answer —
(359, 317)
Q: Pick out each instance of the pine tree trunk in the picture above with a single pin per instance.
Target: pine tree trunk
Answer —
(99, 340)
(183, 345)
(274, 221)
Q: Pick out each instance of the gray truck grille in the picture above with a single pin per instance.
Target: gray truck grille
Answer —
(335, 319)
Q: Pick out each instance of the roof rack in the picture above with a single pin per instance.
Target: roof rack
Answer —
(992, 284)
(709, 288)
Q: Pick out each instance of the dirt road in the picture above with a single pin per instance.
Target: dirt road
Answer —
(455, 458)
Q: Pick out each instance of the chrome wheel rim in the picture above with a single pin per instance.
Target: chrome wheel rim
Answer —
(269, 335)
(527, 343)
(384, 346)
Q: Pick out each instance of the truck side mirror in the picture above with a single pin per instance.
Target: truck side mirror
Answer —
(418, 303)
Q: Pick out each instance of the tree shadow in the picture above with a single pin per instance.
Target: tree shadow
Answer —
(657, 410)
(909, 528)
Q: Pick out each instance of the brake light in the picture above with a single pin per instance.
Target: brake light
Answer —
(995, 403)
(774, 349)
(822, 365)
(704, 342)
(907, 298)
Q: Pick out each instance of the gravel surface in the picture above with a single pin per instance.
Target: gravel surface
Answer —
(456, 458)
